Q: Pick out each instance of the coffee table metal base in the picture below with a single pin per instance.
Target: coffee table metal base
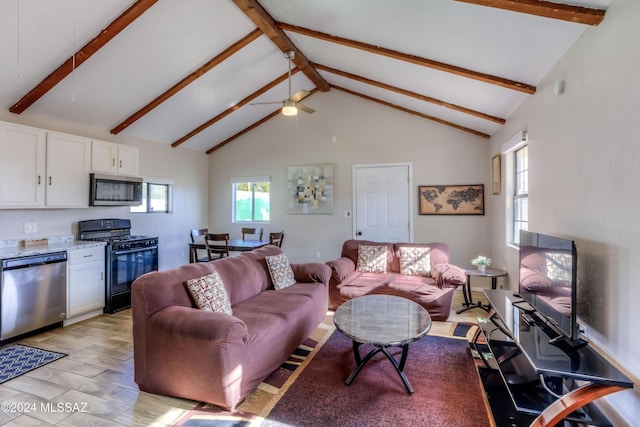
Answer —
(398, 366)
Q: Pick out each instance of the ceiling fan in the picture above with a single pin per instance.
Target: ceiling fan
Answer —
(291, 105)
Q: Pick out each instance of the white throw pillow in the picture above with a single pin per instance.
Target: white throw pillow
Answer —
(415, 261)
(372, 259)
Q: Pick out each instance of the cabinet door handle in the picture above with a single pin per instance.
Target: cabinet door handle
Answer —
(49, 180)
(113, 162)
(87, 256)
(120, 163)
(39, 179)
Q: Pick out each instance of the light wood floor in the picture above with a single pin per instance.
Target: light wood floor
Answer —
(93, 385)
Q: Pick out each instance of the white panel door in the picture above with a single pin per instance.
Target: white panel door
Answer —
(382, 202)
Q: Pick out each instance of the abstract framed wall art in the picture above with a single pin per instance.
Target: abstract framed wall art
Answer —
(451, 199)
(310, 189)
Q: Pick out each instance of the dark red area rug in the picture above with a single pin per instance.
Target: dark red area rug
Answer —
(311, 391)
(441, 371)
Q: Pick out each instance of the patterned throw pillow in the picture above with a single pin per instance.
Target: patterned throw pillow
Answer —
(209, 293)
(415, 261)
(372, 259)
(280, 270)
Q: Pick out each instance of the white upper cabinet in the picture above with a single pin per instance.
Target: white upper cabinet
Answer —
(114, 159)
(68, 168)
(22, 166)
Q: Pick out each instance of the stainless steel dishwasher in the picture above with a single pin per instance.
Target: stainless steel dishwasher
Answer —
(34, 293)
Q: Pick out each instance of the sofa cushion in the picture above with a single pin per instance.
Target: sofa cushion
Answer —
(209, 294)
(415, 261)
(372, 259)
(280, 271)
(358, 284)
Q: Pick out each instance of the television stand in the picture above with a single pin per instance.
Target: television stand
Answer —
(562, 341)
(532, 382)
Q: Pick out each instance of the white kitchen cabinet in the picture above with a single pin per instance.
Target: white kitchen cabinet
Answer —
(22, 166)
(68, 167)
(43, 169)
(115, 159)
(85, 281)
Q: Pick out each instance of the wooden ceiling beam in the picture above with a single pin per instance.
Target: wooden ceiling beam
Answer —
(233, 108)
(218, 59)
(415, 113)
(486, 78)
(85, 52)
(415, 95)
(268, 26)
(253, 126)
(546, 9)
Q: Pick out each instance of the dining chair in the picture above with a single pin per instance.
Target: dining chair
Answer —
(197, 238)
(276, 238)
(252, 231)
(217, 245)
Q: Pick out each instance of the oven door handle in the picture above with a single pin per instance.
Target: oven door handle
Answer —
(130, 251)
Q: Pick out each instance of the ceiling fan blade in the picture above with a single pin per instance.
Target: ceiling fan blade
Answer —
(304, 108)
(299, 95)
(264, 103)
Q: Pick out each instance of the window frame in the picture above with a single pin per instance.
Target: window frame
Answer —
(508, 148)
(254, 181)
(520, 196)
(146, 182)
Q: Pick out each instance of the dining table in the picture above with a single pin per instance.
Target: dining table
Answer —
(235, 245)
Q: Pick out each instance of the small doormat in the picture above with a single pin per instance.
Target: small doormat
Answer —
(18, 359)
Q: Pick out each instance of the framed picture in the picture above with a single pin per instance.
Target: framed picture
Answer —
(310, 189)
(451, 199)
(496, 182)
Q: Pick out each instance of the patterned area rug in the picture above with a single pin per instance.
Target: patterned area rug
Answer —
(19, 359)
(255, 410)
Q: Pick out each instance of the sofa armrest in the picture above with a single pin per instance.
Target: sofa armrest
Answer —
(341, 268)
(199, 325)
(448, 275)
(311, 272)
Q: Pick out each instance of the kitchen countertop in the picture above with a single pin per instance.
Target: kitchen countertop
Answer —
(14, 249)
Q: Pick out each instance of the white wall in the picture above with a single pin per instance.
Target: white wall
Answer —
(187, 168)
(584, 169)
(365, 132)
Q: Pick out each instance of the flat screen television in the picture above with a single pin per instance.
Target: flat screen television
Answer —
(548, 281)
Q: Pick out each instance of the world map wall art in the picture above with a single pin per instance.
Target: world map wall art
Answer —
(451, 199)
(310, 189)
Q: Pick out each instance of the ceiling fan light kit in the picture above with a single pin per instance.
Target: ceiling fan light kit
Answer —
(291, 105)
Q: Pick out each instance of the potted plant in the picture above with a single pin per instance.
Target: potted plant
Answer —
(481, 262)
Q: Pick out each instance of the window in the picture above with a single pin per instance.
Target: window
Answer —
(156, 198)
(251, 199)
(521, 192)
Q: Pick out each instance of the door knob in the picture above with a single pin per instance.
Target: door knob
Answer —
(359, 233)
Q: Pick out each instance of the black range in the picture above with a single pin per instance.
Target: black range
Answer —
(127, 257)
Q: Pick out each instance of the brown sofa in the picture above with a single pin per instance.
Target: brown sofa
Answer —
(206, 356)
(434, 292)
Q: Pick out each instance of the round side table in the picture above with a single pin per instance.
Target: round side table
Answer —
(468, 303)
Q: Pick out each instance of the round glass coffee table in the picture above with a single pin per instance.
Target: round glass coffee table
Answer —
(382, 321)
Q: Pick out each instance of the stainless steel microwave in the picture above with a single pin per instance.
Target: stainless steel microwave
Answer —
(115, 190)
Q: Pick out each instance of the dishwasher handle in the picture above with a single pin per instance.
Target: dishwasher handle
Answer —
(33, 260)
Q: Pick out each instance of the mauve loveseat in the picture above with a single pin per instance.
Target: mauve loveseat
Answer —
(434, 291)
(206, 356)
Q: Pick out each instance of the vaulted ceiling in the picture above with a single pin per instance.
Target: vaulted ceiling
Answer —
(186, 72)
